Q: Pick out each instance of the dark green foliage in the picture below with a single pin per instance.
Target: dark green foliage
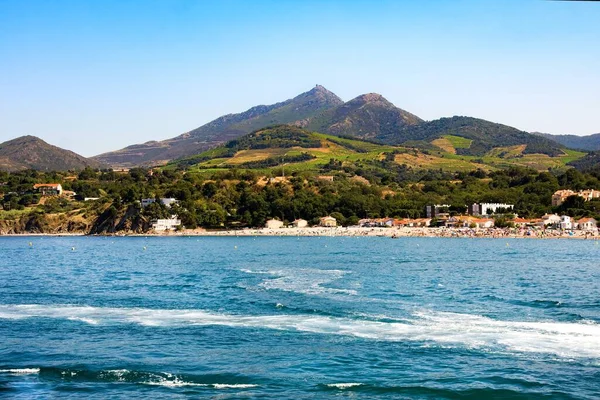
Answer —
(281, 136)
(585, 143)
(484, 134)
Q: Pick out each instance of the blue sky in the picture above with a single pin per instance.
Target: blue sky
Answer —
(94, 76)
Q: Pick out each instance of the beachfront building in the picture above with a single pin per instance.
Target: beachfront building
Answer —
(523, 222)
(48, 189)
(167, 224)
(300, 223)
(487, 209)
(166, 201)
(565, 222)
(587, 224)
(328, 221)
(274, 224)
(437, 210)
(549, 220)
(560, 196)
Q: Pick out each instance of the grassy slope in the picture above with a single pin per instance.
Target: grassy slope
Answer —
(350, 150)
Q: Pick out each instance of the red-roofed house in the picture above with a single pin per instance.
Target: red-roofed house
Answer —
(587, 224)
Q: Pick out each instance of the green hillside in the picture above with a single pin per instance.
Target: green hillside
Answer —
(297, 149)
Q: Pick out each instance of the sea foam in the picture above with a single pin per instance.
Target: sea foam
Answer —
(567, 340)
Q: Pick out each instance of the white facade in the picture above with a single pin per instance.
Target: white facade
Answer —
(565, 222)
(300, 223)
(550, 219)
(274, 224)
(587, 224)
(166, 224)
(166, 201)
(491, 208)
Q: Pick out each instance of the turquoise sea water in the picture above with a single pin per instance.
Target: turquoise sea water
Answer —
(91, 317)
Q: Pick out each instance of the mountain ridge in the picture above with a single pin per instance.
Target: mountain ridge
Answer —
(31, 152)
(223, 129)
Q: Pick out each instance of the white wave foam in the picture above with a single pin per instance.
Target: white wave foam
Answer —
(20, 371)
(566, 340)
(344, 385)
(306, 281)
(233, 385)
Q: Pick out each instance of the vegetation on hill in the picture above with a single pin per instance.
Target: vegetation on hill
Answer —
(30, 152)
(590, 162)
(241, 197)
(369, 116)
(483, 136)
(585, 143)
(283, 142)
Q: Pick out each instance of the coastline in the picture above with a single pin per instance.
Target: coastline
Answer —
(388, 232)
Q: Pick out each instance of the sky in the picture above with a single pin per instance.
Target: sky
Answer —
(94, 76)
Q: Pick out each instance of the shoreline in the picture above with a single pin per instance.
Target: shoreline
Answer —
(389, 232)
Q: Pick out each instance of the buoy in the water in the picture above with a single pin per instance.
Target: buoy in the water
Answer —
(72, 248)
(30, 244)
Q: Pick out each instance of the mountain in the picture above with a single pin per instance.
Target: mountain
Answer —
(30, 152)
(482, 136)
(222, 129)
(587, 143)
(369, 116)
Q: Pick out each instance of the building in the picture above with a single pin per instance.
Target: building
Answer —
(437, 210)
(488, 208)
(168, 224)
(274, 224)
(523, 222)
(167, 202)
(300, 223)
(328, 222)
(565, 222)
(48, 189)
(561, 195)
(549, 220)
(587, 224)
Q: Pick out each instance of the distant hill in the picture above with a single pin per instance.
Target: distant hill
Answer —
(369, 116)
(587, 143)
(589, 162)
(222, 129)
(30, 152)
(291, 148)
(483, 135)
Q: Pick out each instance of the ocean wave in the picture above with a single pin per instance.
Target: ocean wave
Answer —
(343, 385)
(564, 339)
(164, 379)
(20, 371)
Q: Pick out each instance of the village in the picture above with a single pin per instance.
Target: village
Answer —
(487, 219)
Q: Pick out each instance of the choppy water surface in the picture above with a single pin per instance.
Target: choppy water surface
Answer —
(299, 318)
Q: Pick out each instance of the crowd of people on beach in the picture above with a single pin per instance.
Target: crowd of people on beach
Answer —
(395, 232)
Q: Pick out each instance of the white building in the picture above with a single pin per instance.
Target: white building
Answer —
(166, 201)
(550, 219)
(274, 224)
(300, 223)
(565, 222)
(587, 224)
(488, 208)
(168, 224)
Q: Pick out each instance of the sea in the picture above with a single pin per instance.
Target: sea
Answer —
(299, 318)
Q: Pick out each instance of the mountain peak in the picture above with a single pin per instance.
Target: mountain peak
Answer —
(31, 152)
(371, 98)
